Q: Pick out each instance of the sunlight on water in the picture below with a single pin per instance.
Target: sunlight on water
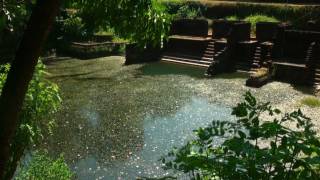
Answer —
(161, 134)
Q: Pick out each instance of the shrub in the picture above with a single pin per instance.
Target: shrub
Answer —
(42, 167)
(311, 102)
(254, 19)
(186, 12)
(252, 147)
(73, 28)
(41, 101)
(298, 16)
(232, 18)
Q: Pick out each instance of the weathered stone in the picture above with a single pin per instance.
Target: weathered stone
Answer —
(189, 27)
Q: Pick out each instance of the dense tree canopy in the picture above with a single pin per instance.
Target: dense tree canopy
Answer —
(142, 21)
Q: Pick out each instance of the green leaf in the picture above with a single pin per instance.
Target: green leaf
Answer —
(242, 134)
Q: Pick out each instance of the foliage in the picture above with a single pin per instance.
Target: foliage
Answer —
(143, 21)
(186, 12)
(13, 17)
(13, 14)
(41, 101)
(298, 16)
(260, 1)
(42, 167)
(311, 101)
(254, 19)
(232, 18)
(252, 147)
(73, 28)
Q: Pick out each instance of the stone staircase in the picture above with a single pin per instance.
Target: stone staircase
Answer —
(316, 81)
(200, 57)
(256, 60)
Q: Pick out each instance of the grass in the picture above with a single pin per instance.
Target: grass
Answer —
(311, 102)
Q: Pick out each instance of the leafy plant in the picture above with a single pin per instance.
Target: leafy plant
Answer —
(311, 102)
(73, 28)
(42, 167)
(233, 18)
(145, 22)
(254, 19)
(187, 12)
(41, 101)
(257, 146)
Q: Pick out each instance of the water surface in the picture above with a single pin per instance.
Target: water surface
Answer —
(117, 121)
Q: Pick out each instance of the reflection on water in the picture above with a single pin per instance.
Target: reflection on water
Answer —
(160, 134)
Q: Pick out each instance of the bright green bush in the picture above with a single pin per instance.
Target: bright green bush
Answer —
(252, 147)
(41, 101)
(42, 167)
(254, 19)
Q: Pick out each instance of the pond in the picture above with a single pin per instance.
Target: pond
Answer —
(116, 121)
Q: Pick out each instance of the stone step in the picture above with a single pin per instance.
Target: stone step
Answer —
(207, 58)
(185, 63)
(187, 59)
(208, 53)
(204, 58)
(183, 55)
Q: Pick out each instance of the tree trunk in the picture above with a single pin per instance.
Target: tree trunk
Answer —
(21, 72)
